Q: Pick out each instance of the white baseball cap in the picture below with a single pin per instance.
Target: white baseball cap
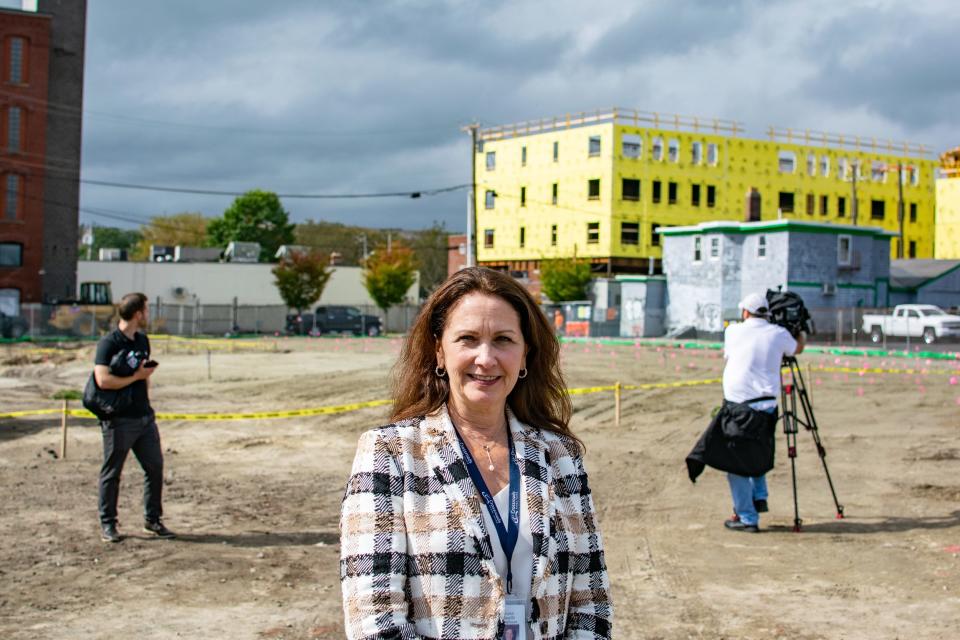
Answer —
(754, 303)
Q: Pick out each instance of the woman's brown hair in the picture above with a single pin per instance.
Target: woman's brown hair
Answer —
(539, 400)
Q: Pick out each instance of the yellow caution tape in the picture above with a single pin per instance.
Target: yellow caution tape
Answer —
(340, 408)
(911, 372)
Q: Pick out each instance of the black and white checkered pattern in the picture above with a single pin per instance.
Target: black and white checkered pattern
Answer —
(417, 561)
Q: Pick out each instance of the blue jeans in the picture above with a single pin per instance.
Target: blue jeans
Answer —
(745, 490)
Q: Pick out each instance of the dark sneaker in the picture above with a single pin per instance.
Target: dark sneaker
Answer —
(736, 525)
(109, 533)
(760, 506)
(157, 529)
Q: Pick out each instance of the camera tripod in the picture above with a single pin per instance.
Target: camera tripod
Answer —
(792, 393)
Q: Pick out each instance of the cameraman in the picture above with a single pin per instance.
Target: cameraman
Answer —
(754, 350)
(134, 428)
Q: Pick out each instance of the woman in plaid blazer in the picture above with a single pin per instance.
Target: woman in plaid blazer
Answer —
(478, 378)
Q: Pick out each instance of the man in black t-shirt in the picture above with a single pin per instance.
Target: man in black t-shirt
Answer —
(133, 428)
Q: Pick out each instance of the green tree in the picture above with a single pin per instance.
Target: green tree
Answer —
(388, 275)
(301, 277)
(565, 279)
(187, 229)
(256, 216)
(111, 238)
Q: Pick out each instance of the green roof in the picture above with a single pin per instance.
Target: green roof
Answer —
(773, 226)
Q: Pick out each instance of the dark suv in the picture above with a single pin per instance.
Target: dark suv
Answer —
(334, 319)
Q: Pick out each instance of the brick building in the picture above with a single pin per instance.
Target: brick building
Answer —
(41, 101)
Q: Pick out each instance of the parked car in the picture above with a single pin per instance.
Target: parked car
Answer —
(914, 320)
(13, 326)
(334, 319)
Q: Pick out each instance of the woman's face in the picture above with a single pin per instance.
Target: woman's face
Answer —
(483, 350)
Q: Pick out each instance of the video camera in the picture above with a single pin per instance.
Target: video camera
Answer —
(787, 310)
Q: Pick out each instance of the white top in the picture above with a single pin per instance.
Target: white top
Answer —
(522, 554)
(754, 350)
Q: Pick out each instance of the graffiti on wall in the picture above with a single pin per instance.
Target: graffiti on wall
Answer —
(709, 316)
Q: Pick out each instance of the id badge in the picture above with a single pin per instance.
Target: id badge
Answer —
(514, 620)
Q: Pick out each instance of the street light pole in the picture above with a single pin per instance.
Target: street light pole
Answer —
(472, 129)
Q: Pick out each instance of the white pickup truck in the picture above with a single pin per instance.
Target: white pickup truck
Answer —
(913, 320)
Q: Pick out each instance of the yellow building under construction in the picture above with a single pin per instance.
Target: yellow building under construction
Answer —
(598, 185)
(948, 207)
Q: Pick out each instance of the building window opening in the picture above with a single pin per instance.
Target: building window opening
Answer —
(824, 205)
(593, 189)
(843, 251)
(553, 235)
(811, 201)
(711, 196)
(593, 232)
(630, 233)
(489, 199)
(878, 171)
(696, 152)
(811, 164)
(671, 193)
(913, 212)
(913, 249)
(523, 156)
(14, 120)
(491, 160)
(632, 146)
(16, 60)
(713, 154)
(631, 189)
(843, 169)
(488, 238)
(12, 201)
(877, 209)
(11, 254)
(697, 249)
(523, 237)
(593, 147)
(825, 166)
(695, 195)
(841, 206)
(787, 161)
(656, 191)
(556, 151)
(657, 149)
(673, 150)
(714, 248)
(785, 202)
(914, 176)
(523, 196)
(654, 234)
(762, 246)
(555, 190)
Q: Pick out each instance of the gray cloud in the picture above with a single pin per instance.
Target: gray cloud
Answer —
(369, 95)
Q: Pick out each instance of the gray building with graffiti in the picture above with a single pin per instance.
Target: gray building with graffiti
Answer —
(709, 267)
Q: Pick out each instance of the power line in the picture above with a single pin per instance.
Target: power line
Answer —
(303, 196)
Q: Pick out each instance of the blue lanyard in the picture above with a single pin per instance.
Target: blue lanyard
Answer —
(507, 534)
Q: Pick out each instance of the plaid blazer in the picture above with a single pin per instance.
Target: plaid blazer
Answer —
(416, 560)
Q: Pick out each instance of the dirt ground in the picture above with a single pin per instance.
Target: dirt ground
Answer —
(256, 502)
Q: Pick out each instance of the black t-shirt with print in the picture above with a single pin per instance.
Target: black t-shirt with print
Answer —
(109, 346)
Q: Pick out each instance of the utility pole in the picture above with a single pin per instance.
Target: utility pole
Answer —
(900, 208)
(472, 129)
(363, 238)
(854, 209)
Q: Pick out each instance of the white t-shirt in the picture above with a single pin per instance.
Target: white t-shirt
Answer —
(754, 350)
(522, 563)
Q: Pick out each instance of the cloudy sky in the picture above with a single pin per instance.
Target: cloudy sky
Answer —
(360, 96)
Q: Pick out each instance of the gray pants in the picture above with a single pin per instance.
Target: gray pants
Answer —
(120, 435)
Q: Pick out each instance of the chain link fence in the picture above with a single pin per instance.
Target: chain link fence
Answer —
(91, 321)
